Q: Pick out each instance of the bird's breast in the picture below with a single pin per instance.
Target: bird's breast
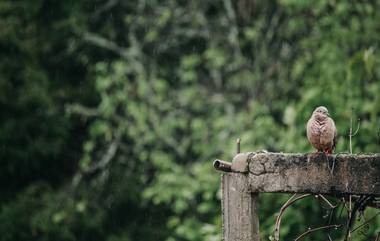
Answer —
(318, 127)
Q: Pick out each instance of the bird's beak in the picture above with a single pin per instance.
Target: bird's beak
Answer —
(327, 114)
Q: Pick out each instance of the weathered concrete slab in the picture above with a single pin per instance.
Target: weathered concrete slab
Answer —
(239, 208)
(314, 173)
(240, 163)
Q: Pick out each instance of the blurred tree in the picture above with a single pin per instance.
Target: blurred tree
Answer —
(39, 73)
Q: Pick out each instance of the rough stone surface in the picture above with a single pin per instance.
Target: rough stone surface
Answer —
(314, 173)
(239, 208)
(240, 163)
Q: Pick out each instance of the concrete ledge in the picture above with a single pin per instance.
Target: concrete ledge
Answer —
(314, 173)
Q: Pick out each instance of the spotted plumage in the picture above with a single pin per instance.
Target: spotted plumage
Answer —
(321, 130)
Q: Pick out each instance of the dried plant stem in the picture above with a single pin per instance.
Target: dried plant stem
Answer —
(291, 200)
(316, 229)
(350, 135)
(351, 215)
(366, 222)
(350, 219)
(326, 201)
(360, 205)
(355, 132)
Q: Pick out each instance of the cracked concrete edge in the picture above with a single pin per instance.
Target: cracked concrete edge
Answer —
(240, 162)
(311, 173)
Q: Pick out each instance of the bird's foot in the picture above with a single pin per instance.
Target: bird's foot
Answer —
(328, 151)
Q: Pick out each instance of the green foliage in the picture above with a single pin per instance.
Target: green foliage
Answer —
(113, 111)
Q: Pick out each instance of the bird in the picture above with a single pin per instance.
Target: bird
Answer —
(321, 131)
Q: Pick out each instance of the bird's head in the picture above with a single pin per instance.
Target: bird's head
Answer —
(321, 113)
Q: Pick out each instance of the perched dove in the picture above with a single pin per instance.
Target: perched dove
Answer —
(321, 130)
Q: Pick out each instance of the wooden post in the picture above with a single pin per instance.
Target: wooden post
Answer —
(239, 208)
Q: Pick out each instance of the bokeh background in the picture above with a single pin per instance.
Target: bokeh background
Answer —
(111, 112)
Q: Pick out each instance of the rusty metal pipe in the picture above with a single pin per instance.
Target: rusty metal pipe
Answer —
(221, 165)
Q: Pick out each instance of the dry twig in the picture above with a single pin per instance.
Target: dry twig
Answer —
(366, 222)
(326, 201)
(355, 132)
(292, 200)
(316, 229)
